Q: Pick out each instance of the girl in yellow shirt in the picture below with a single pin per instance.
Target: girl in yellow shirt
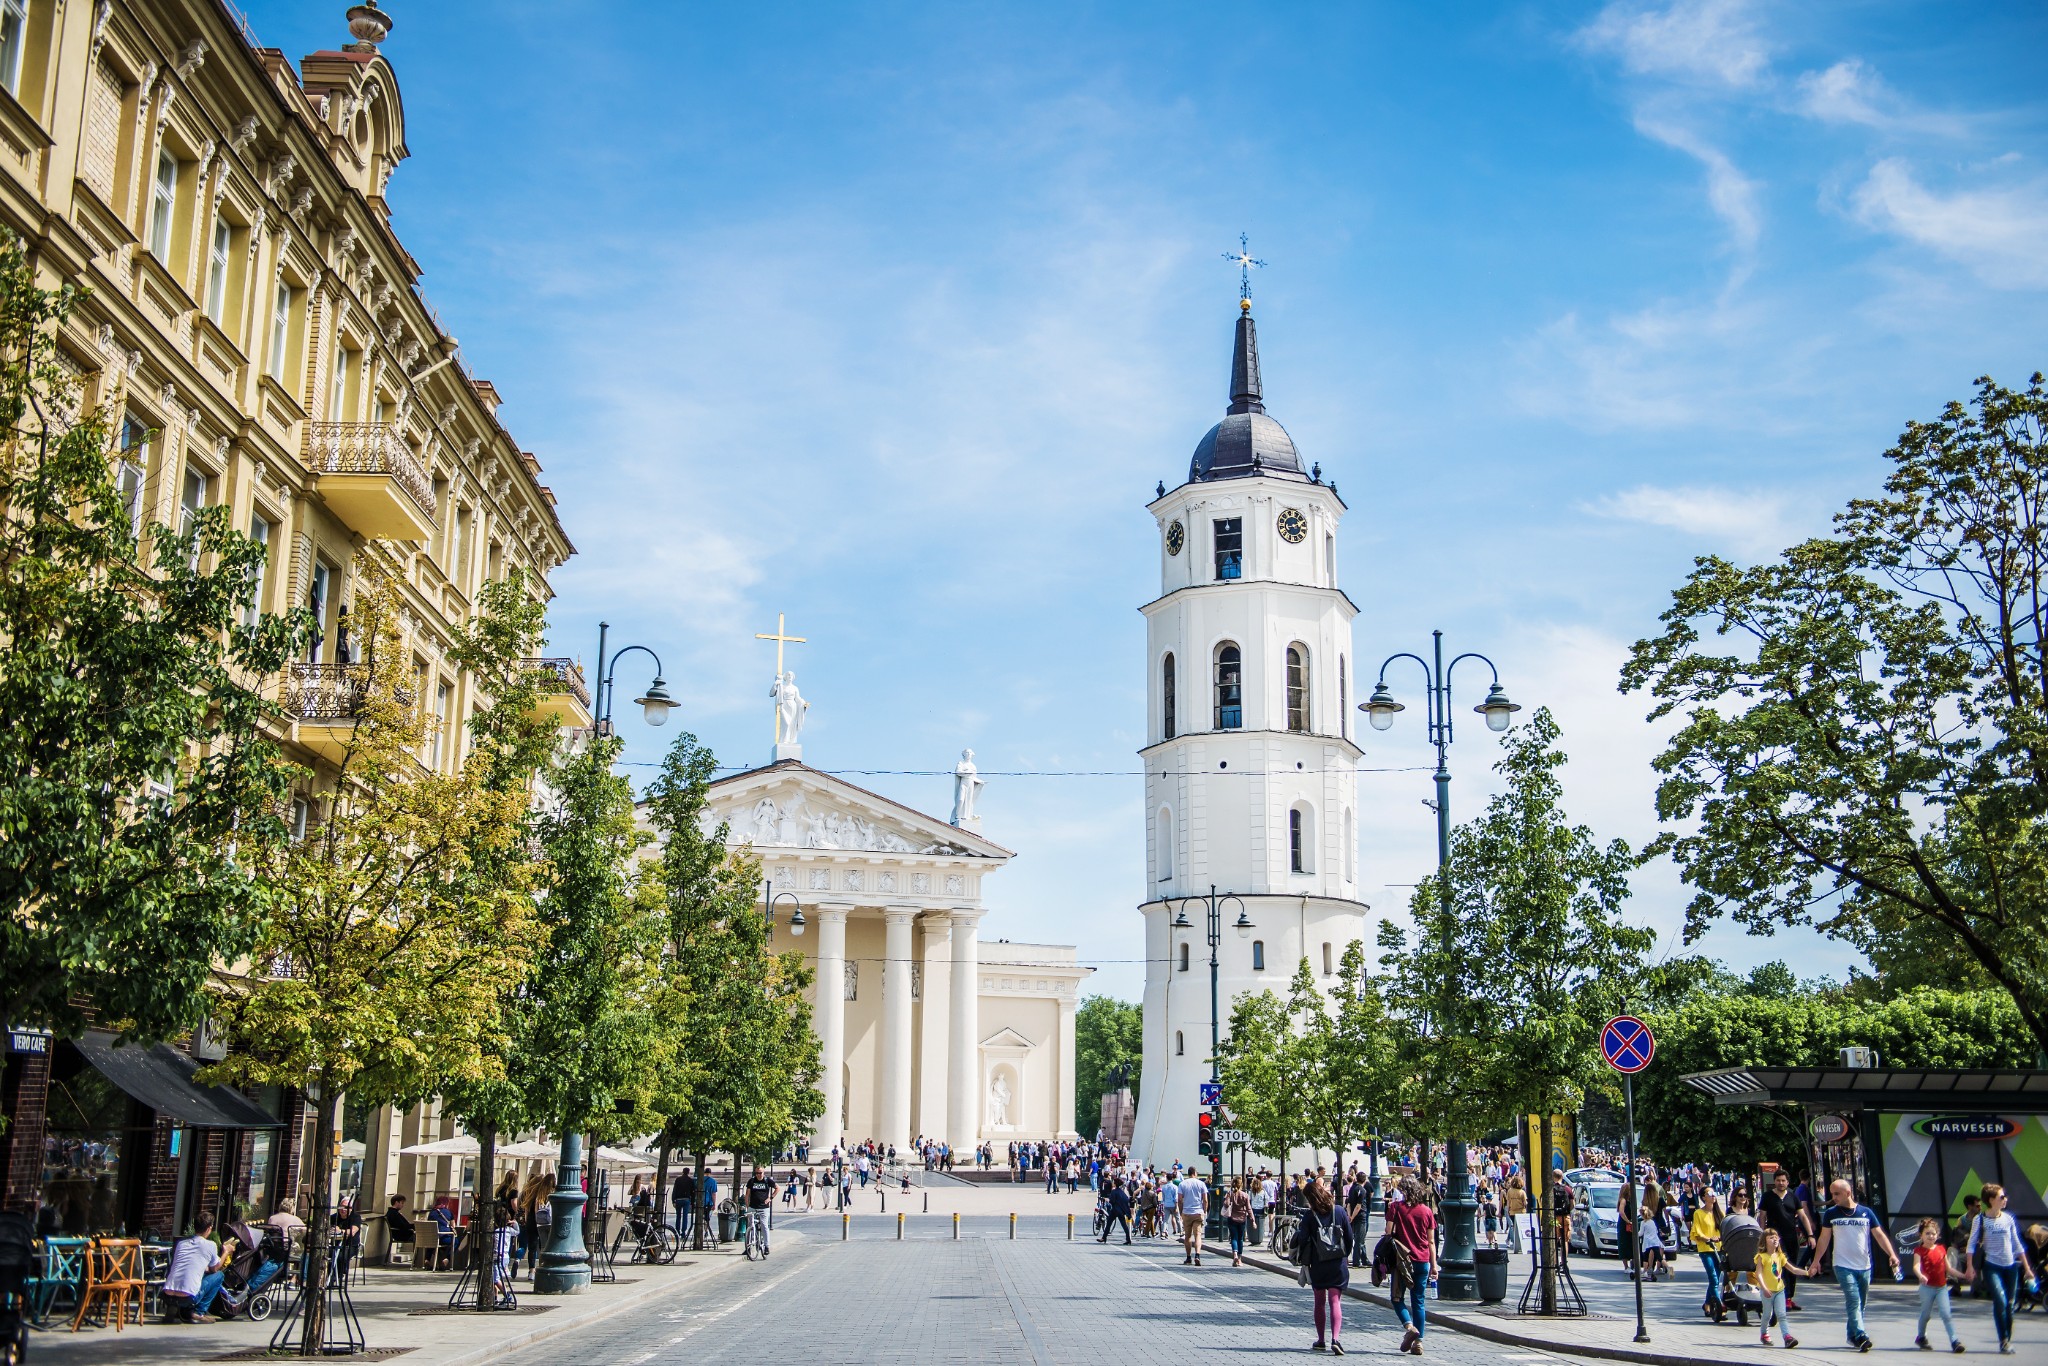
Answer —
(1771, 1270)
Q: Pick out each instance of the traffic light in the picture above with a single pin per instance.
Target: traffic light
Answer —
(1205, 1143)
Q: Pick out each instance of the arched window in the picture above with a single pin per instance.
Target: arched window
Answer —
(1180, 1043)
(1229, 687)
(1164, 834)
(1326, 958)
(1258, 955)
(1297, 687)
(1343, 700)
(1301, 840)
(1168, 704)
(1183, 958)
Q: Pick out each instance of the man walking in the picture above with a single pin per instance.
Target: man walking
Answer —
(1779, 1209)
(683, 1195)
(1194, 1208)
(1119, 1201)
(1851, 1228)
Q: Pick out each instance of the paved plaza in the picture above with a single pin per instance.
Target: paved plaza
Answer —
(984, 1298)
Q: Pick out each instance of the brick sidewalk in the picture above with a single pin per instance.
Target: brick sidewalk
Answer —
(402, 1310)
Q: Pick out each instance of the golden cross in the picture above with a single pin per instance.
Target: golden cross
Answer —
(781, 635)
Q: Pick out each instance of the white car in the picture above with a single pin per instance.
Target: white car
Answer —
(1596, 1220)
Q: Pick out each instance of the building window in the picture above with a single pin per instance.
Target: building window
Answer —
(190, 502)
(1229, 687)
(1258, 955)
(1183, 958)
(1297, 688)
(1168, 702)
(442, 694)
(13, 23)
(1326, 958)
(217, 271)
(132, 472)
(1301, 840)
(259, 532)
(337, 394)
(317, 600)
(301, 815)
(1180, 1043)
(1229, 547)
(280, 325)
(1330, 557)
(1165, 837)
(162, 206)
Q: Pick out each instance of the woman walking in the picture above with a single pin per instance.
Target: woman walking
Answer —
(1322, 1249)
(1237, 1214)
(1409, 1250)
(1706, 1240)
(1996, 1235)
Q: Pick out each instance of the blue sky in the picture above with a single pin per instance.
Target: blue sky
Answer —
(890, 316)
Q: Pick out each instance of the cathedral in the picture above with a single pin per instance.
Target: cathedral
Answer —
(1251, 789)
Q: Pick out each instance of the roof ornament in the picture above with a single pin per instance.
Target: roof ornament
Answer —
(370, 26)
(1245, 262)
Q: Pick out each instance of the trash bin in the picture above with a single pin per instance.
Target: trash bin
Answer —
(725, 1234)
(1490, 1269)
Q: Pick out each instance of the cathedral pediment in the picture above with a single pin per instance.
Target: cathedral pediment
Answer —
(791, 806)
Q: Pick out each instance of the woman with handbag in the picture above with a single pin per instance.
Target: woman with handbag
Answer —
(1409, 1252)
(1237, 1214)
(1322, 1249)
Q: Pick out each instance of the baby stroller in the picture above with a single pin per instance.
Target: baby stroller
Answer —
(1740, 1243)
(254, 1284)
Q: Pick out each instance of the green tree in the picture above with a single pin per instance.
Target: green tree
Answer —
(1108, 1034)
(1872, 754)
(1345, 1063)
(751, 1087)
(1257, 1063)
(143, 789)
(402, 919)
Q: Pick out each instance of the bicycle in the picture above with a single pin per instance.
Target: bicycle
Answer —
(753, 1231)
(654, 1242)
(1281, 1244)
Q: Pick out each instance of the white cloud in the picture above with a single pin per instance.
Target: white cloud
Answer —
(1731, 193)
(1709, 42)
(1852, 92)
(1749, 521)
(2000, 233)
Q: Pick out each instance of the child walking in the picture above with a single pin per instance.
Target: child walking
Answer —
(1772, 1268)
(1930, 1259)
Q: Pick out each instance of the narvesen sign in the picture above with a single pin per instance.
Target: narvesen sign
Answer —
(1978, 1128)
(1828, 1128)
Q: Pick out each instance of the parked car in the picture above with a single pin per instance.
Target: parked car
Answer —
(1588, 1176)
(1596, 1220)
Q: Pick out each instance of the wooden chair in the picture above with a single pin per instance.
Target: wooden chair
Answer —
(113, 1275)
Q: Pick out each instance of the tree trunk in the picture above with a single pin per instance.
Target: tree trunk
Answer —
(313, 1323)
(661, 1179)
(703, 1215)
(485, 1216)
(1546, 1218)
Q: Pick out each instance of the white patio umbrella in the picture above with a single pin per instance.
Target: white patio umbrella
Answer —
(531, 1150)
(618, 1159)
(462, 1145)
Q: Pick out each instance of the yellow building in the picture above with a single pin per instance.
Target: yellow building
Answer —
(259, 331)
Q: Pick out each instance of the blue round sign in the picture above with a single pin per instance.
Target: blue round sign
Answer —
(1627, 1044)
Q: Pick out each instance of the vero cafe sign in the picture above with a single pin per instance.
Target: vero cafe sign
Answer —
(1969, 1128)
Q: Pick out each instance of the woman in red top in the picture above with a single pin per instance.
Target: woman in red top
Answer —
(1412, 1225)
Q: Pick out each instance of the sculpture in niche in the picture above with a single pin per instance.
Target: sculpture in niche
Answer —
(967, 785)
(789, 708)
(854, 880)
(920, 882)
(767, 821)
(885, 882)
(998, 1102)
(852, 980)
(917, 981)
(821, 880)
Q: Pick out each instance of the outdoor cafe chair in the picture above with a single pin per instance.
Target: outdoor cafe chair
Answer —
(113, 1277)
(61, 1275)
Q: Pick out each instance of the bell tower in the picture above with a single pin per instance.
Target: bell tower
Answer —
(1250, 766)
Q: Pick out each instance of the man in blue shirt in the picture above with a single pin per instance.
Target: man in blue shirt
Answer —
(1850, 1228)
(710, 1194)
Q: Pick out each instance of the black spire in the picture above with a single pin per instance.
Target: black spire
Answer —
(1245, 394)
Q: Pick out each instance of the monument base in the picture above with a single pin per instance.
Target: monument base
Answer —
(788, 752)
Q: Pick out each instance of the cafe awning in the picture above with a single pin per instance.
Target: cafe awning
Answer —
(162, 1078)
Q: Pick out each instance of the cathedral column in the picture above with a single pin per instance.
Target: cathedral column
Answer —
(963, 1064)
(1064, 1058)
(896, 1055)
(829, 1015)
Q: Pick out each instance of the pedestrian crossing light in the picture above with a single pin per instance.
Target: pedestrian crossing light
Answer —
(1206, 1137)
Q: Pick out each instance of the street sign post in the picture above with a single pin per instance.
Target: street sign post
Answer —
(1212, 1093)
(1628, 1046)
(1238, 1136)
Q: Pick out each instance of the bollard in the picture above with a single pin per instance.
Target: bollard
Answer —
(899, 1225)
(1070, 1228)
(927, 1202)
(845, 1223)
(1013, 1226)
(956, 1225)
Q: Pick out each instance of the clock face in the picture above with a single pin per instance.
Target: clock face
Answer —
(1293, 526)
(1176, 537)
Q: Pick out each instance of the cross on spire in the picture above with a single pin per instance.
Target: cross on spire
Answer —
(1245, 262)
(781, 638)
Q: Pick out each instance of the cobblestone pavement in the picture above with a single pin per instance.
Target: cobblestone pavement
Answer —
(984, 1298)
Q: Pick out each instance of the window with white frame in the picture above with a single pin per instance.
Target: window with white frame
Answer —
(1229, 687)
(443, 695)
(1169, 703)
(13, 39)
(163, 205)
(337, 396)
(133, 472)
(191, 500)
(217, 271)
(259, 532)
(280, 328)
(1301, 840)
(323, 578)
(1297, 688)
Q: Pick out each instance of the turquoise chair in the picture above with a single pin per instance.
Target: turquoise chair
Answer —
(61, 1276)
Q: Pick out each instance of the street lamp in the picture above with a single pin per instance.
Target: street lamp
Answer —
(1458, 1281)
(1243, 925)
(655, 704)
(770, 899)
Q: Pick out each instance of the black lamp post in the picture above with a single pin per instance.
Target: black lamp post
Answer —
(1460, 1238)
(770, 899)
(1213, 905)
(564, 1266)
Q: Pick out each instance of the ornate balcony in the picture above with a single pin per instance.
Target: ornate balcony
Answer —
(323, 701)
(371, 479)
(564, 695)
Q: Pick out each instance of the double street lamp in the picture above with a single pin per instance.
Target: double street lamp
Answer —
(1213, 906)
(1460, 1237)
(564, 1266)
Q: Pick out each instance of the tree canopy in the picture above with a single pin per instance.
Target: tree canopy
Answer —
(1108, 1034)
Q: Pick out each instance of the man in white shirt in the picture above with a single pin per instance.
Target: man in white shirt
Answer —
(1193, 1196)
(197, 1270)
(1851, 1228)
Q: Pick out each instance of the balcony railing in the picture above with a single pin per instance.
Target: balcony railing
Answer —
(369, 448)
(324, 692)
(567, 677)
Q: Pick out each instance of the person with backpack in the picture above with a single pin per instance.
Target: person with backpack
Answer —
(1408, 1251)
(1322, 1249)
(1237, 1217)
